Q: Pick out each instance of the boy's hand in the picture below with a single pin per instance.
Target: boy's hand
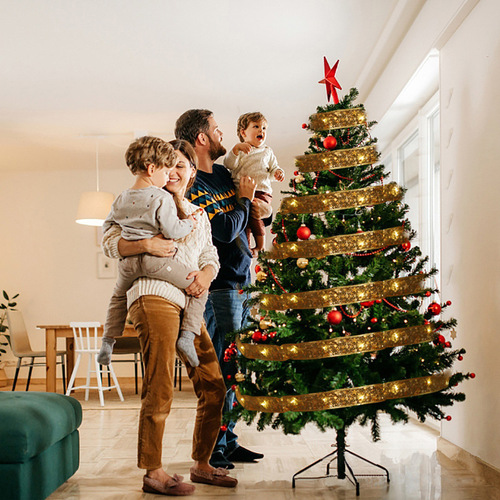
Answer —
(243, 147)
(193, 220)
(247, 188)
(279, 175)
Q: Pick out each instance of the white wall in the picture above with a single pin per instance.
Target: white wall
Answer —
(467, 36)
(470, 108)
(45, 256)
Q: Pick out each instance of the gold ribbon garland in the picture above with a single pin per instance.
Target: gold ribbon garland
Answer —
(336, 245)
(331, 160)
(341, 200)
(343, 398)
(342, 118)
(316, 299)
(339, 346)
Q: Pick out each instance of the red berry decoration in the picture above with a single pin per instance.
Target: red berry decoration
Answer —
(428, 294)
(472, 375)
(448, 417)
(223, 428)
(304, 125)
(374, 320)
(303, 232)
(448, 302)
(334, 317)
(233, 387)
(241, 291)
(379, 301)
(460, 358)
(235, 404)
(330, 142)
(405, 246)
(434, 308)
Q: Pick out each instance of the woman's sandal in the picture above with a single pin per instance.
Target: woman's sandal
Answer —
(174, 487)
(218, 477)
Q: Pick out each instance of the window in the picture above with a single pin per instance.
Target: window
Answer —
(413, 159)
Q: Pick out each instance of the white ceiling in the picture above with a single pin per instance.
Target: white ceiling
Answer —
(72, 70)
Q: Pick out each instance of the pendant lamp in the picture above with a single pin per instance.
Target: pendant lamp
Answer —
(95, 205)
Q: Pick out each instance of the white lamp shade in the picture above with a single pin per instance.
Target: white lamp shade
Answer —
(93, 208)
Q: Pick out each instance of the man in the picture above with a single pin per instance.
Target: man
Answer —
(227, 305)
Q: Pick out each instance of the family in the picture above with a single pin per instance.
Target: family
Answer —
(182, 273)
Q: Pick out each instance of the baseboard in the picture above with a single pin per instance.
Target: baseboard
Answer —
(490, 474)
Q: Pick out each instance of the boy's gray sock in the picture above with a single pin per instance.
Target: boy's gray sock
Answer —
(104, 356)
(185, 344)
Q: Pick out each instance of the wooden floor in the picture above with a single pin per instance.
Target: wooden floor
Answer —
(417, 470)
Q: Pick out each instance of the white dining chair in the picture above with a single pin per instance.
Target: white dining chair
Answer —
(87, 341)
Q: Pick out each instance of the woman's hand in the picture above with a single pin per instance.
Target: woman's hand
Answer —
(159, 246)
(201, 283)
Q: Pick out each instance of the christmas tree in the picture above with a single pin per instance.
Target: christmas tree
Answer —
(348, 322)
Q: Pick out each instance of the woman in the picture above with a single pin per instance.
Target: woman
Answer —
(155, 308)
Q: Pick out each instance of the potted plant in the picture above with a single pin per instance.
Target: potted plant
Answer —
(9, 304)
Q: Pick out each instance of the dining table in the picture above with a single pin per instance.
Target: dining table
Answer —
(52, 333)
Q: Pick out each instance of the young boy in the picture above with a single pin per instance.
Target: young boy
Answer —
(251, 157)
(143, 211)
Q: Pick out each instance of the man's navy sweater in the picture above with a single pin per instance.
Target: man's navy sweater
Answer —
(216, 194)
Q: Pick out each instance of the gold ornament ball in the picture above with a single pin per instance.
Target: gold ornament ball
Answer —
(261, 276)
(264, 324)
(302, 263)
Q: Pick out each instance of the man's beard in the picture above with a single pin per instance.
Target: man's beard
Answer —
(216, 149)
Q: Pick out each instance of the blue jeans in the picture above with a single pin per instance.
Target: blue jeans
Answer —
(226, 311)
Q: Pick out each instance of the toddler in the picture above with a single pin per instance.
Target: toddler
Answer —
(251, 157)
(142, 212)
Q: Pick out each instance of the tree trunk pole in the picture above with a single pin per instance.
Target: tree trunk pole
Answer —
(341, 453)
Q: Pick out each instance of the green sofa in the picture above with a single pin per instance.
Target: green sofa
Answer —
(39, 443)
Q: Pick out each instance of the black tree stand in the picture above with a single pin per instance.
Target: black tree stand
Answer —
(339, 455)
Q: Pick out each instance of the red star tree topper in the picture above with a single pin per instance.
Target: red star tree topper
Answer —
(331, 82)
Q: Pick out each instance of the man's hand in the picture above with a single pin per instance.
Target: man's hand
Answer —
(260, 209)
(247, 188)
(159, 246)
(243, 147)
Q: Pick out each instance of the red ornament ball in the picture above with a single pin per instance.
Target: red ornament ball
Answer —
(441, 339)
(406, 246)
(334, 317)
(257, 268)
(303, 232)
(428, 294)
(296, 173)
(368, 303)
(304, 125)
(434, 308)
(448, 302)
(330, 142)
(448, 344)
(379, 301)
(472, 375)
(233, 387)
(223, 428)
(235, 404)
(460, 358)
(257, 336)
(448, 417)
(374, 320)
(241, 291)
